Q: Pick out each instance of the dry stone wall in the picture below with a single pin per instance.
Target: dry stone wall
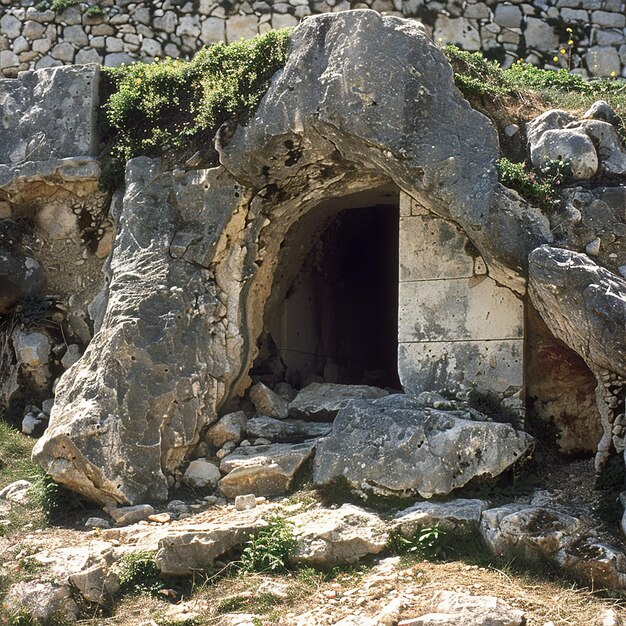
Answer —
(112, 32)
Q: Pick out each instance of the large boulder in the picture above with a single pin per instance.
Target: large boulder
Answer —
(395, 445)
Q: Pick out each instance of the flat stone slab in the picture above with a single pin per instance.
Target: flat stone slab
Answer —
(263, 470)
(450, 515)
(394, 445)
(286, 430)
(322, 401)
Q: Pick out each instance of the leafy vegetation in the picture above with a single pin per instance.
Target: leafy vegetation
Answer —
(94, 10)
(269, 550)
(61, 5)
(169, 104)
(476, 76)
(139, 574)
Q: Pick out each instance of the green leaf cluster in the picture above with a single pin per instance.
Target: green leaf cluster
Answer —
(269, 550)
(153, 107)
(139, 574)
(541, 187)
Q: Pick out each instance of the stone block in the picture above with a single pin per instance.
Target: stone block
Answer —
(540, 35)
(431, 247)
(49, 114)
(508, 16)
(458, 310)
(454, 365)
(241, 26)
(212, 30)
(603, 61)
(608, 19)
(458, 31)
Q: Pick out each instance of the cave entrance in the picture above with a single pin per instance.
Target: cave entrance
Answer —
(333, 313)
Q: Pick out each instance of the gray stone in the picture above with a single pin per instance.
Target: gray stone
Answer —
(11, 26)
(602, 111)
(246, 502)
(285, 431)
(608, 144)
(540, 35)
(571, 146)
(97, 522)
(529, 531)
(184, 551)
(554, 119)
(33, 425)
(229, 428)
(459, 31)
(322, 401)
(394, 445)
(49, 114)
(71, 356)
(263, 470)
(43, 602)
(603, 61)
(32, 349)
(202, 473)
(266, 402)
(17, 492)
(454, 608)
(20, 276)
(126, 515)
(448, 515)
(508, 16)
(582, 303)
(326, 537)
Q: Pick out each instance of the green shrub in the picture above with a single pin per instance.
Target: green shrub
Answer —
(56, 501)
(94, 10)
(139, 574)
(428, 542)
(166, 104)
(61, 5)
(538, 188)
(270, 549)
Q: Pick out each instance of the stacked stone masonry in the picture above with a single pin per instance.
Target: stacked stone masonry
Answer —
(587, 36)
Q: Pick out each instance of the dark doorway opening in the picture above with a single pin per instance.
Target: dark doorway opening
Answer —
(334, 317)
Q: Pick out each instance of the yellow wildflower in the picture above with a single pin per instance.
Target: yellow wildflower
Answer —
(555, 59)
(570, 42)
(613, 73)
(562, 50)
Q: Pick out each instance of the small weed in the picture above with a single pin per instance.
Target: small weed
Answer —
(61, 5)
(270, 549)
(428, 543)
(94, 10)
(42, 6)
(139, 574)
(56, 501)
(530, 184)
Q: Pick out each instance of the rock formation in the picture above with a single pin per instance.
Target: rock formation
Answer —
(365, 103)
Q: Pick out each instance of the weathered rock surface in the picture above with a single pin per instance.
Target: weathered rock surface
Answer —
(286, 430)
(266, 402)
(44, 602)
(202, 473)
(263, 470)
(455, 608)
(228, 428)
(397, 446)
(322, 401)
(582, 303)
(326, 537)
(454, 514)
(573, 147)
(147, 384)
(126, 515)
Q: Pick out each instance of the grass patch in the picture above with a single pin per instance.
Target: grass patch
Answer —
(150, 109)
(139, 574)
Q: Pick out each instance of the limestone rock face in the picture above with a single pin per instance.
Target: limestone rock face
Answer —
(397, 446)
(147, 383)
(582, 303)
(450, 515)
(570, 146)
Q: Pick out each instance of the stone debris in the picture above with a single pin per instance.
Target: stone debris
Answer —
(97, 522)
(322, 401)
(127, 515)
(454, 609)
(268, 403)
(201, 473)
(326, 537)
(246, 502)
(263, 470)
(457, 513)
(397, 446)
(285, 431)
(18, 492)
(228, 430)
